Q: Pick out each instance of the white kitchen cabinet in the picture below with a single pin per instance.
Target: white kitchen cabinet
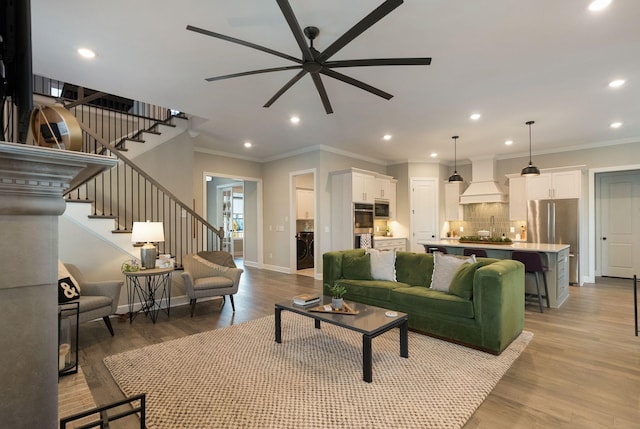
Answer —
(385, 243)
(518, 198)
(363, 187)
(557, 185)
(452, 207)
(383, 187)
(393, 212)
(304, 204)
(348, 187)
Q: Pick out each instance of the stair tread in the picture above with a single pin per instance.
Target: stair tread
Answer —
(97, 216)
(75, 200)
(133, 139)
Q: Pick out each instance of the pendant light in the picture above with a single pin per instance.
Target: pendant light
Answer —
(455, 177)
(530, 170)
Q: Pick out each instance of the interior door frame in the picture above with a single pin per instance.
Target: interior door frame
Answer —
(293, 249)
(259, 215)
(412, 231)
(593, 197)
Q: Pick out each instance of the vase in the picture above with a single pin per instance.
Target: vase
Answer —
(336, 303)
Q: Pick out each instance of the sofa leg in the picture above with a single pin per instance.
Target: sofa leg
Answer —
(193, 306)
(233, 307)
(107, 322)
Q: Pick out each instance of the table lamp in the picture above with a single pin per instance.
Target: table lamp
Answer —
(147, 233)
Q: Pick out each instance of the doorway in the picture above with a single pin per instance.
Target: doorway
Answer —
(424, 211)
(303, 222)
(618, 223)
(247, 242)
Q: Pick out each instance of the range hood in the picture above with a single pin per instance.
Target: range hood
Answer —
(483, 188)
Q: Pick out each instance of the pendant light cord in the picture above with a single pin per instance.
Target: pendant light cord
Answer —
(530, 123)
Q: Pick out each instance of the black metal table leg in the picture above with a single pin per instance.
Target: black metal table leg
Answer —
(404, 339)
(367, 371)
(278, 325)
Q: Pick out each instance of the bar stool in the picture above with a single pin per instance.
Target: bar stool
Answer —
(436, 249)
(533, 264)
(480, 253)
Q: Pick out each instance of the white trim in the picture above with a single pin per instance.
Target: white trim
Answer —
(259, 205)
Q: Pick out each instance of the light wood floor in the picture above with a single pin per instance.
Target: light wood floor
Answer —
(581, 370)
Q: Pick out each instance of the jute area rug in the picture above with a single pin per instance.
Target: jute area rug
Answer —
(239, 377)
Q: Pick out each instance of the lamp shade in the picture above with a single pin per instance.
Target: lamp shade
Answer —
(147, 232)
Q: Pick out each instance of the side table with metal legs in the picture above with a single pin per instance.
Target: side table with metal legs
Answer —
(152, 287)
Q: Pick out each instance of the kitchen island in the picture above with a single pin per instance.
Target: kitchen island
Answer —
(554, 256)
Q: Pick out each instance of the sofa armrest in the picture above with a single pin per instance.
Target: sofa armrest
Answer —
(498, 299)
(234, 275)
(331, 269)
(110, 288)
(188, 282)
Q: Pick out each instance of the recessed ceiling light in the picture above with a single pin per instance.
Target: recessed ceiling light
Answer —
(387, 137)
(86, 53)
(616, 124)
(616, 83)
(475, 116)
(598, 5)
(433, 155)
(247, 144)
(295, 120)
(508, 142)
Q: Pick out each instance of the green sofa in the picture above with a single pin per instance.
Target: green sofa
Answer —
(483, 309)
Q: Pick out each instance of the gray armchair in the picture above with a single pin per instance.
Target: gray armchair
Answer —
(97, 299)
(203, 278)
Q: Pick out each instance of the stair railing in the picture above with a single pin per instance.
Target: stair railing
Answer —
(128, 194)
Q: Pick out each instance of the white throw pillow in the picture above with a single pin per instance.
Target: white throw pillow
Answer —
(383, 264)
(445, 267)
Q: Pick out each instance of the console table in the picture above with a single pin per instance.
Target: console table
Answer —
(153, 288)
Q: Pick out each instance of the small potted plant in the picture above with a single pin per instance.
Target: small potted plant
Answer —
(337, 292)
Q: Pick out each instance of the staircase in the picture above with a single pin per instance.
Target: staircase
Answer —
(108, 204)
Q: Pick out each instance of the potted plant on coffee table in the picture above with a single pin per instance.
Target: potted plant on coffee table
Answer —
(337, 292)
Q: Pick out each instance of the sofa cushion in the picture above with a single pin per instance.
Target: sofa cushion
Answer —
(376, 289)
(462, 282)
(383, 264)
(445, 267)
(414, 269)
(356, 266)
(93, 302)
(215, 282)
(420, 299)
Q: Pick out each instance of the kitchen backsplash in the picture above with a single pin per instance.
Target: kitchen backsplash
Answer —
(493, 217)
(304, 225)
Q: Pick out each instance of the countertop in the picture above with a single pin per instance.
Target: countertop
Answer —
(533, 247)
(384, 237)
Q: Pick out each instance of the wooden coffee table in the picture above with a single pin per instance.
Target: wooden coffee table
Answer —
(370, 322)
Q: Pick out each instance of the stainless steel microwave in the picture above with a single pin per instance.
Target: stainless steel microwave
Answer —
(381, 209)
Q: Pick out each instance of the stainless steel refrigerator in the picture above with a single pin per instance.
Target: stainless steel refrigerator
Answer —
(556, 222)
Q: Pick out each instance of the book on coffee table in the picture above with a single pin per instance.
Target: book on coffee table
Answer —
(306, 299)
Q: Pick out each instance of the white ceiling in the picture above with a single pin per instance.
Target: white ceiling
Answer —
(544, 60)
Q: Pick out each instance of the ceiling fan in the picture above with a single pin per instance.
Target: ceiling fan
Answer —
(317, 63)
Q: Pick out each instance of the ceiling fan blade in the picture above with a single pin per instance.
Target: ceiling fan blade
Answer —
(355, 82)
(243, 43)
(323, 93)
(285, 7)
(380, 62)
(380, 12)
(285, 88)
(248, 73)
